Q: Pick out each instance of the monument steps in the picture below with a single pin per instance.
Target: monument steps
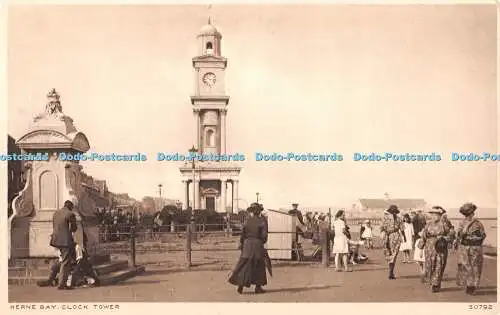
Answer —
(101, 269)
(122, 275)
(29, 271)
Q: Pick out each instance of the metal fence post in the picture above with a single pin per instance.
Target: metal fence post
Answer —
(325, 255)
(228, 225)
(188, 245)
(132, 248)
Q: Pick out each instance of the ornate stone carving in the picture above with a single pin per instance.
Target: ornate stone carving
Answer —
(81, 143)
(210, 191)
(44, 136)
(53, 107)
(23, 203)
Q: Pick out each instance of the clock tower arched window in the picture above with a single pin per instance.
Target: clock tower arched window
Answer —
(210, 138)
(209, 49)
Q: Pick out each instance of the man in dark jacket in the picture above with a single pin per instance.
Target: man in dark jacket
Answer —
(64, 224)
(418, 221)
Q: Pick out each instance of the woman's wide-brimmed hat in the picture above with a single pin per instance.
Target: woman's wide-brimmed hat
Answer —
(438, 210)
(393, 209)
(435, 210)
(339, 213)
(468, 209)
(367, 221)
(255, 208)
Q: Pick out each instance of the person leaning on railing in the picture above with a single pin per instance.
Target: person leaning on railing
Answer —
(300, 228)
(321, 235)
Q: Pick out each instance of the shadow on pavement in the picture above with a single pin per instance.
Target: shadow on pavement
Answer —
(482, 291)
(296, 290)
(355, 269)
(485, 293)
(128, 283)
(452, 289)
(410, 277)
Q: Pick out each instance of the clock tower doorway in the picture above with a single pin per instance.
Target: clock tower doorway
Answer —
(210, 201)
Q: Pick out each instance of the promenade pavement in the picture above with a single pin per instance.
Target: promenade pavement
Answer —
(291, 283)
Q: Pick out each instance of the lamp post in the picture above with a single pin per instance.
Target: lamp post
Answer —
(257, 194)
(159, 191)
(192, 226)
(193, 152)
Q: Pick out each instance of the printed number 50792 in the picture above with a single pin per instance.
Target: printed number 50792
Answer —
(480, 306)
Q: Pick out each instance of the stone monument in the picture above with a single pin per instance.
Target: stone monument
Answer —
(49, 182)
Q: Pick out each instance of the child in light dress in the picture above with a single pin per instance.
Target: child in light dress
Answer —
(419, 257)
(366, 233)
(407, 244)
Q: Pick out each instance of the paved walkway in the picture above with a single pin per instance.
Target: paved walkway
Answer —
(295, 283)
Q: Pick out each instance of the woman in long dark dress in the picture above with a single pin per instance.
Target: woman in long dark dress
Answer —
(251, 267)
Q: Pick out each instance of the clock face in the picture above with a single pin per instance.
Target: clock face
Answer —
(209, 79)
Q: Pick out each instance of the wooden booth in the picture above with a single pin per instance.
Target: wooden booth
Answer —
(281, 228)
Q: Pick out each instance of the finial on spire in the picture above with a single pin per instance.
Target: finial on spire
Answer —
(209, 19)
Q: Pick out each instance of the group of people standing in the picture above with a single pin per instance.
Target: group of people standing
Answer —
(430, 239)
(115, 224)
(432, 244)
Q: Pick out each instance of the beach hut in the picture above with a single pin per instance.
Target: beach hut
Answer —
(281, 228)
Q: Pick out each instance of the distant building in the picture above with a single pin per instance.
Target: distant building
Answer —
(404, 204)
(15, 181)
(123, 201)
(160, 203)
(97, 190)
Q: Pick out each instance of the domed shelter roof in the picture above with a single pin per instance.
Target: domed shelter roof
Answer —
(209, 30)
(53, 129)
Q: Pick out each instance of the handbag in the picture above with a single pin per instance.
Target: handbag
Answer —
(420, 244)
(478, 241)
(441, 245)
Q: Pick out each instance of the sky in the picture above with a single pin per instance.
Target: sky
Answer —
(317, 78)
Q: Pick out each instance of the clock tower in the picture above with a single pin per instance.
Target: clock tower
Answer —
(210, 100)
(210, 180)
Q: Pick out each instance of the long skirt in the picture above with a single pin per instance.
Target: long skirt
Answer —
(249, 271)
(470, 266)
(391, 246)
(435, 263)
